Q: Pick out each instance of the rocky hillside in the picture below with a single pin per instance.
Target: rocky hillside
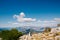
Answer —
(54, 34)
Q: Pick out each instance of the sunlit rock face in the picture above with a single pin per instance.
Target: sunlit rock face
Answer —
(57, 38)
(55, 30)
(54, 34)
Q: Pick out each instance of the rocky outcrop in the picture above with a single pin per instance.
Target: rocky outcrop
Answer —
(54, 34)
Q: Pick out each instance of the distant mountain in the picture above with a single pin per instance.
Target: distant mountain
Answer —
(26, 29)
(30, 29)
(6, 28)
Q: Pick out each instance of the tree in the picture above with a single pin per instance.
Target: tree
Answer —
(12, 34)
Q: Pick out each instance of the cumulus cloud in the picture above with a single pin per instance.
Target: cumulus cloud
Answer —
(23, 21)
(21, 18)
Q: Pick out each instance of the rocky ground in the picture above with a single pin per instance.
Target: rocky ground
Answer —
(54, 34)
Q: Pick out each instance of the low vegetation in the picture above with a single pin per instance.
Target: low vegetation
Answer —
(12, 34)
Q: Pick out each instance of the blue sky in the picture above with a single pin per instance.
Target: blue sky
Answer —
(39, 9)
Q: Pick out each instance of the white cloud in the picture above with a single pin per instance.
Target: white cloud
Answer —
(29, 24)
(46, 21)
(21, 18)
(57, 19)
(23, 21)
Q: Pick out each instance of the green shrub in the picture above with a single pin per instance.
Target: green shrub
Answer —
(12, 34)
